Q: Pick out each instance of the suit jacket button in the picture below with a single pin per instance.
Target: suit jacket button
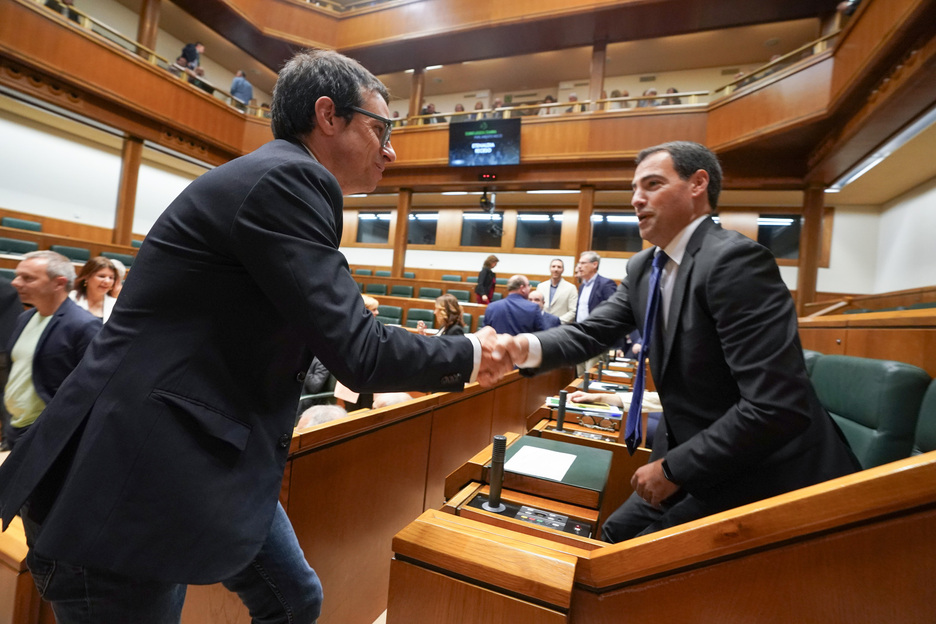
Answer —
(284, 440)
(300, 376)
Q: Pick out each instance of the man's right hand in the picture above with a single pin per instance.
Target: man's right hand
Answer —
(492, 367)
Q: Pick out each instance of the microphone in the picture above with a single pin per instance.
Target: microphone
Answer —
(600, 368)
(585, 381)
(494, 503)
(560, 413)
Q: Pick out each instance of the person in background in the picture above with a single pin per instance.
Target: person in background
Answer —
(459, 108)
(121, 276)
(484, 289)
(93, 286)
(671, 101)
(495, 113)
(371, 304)
(479, 106)
(192, 53)
(545, 111)
(448, 317)
(48, 340)
(575, 108)
(561, 297)
(649, 100)
(241, 89)
(514, 314)
(10, 309)
(549, 320)
(197, 78)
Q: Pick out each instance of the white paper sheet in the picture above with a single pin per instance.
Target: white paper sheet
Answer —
(539, 462)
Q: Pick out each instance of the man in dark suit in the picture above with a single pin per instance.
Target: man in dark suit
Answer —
(159, 462)
(549, 320)
(741, 421)
(515, 314)
(47, 341)
(594, 288)
(10, 309)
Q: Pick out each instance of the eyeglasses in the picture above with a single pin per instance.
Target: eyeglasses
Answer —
(604, 423)
(388, 124)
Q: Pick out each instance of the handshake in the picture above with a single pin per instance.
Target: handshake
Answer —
(499, 354)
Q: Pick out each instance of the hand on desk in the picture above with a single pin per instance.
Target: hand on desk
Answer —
(492, 367)
(590, 397)
(651, 485)
(421, 328)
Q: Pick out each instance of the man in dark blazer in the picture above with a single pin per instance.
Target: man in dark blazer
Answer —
(515, 314)
(741, 421)
(594, 288)
(47, 341)
(549, 320)
(159, 462)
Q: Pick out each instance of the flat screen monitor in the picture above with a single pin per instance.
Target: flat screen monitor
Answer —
(484, 143)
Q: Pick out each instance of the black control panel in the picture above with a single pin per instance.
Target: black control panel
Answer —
(539, 517)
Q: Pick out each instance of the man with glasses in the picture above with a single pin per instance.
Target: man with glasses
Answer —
(159, 462)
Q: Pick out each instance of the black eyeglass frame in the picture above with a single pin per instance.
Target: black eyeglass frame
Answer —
(388, 124)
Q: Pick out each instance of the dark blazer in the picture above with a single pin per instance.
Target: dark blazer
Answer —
(600, 292)
(742, 420)
(514, 315)
(60, 347)
(178, 421)
(486, 283)
(452, 330)
(550, 320)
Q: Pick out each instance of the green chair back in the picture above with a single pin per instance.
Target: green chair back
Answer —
(401, 291)
(461, 295)
(429, 293)
(77, 254)
(126, 259)
(17, 246)
(375, 289)
(451, 278)
(21, 224)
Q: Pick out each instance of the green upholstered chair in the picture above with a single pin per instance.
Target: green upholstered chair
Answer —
(409, 275)
(76, 254)
(480, 321)
(429, 293)
(924, 440)
(21, 224)
(451, 278)
(126, 259)
(875, 402)
(401, 291)
(8, 274)
(395, 313)
(496, 296)
(500, 281)
(420, 314)
(375, 289)
(17, 246)
(466, 318)
(461, 295)
(811, 357)
(363, 272)
(534, 283)
(856, 311)
(136, 243)
(921, 306)
(382, 273)
(473, 280)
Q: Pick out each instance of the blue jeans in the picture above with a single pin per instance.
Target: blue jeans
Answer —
(278, 586)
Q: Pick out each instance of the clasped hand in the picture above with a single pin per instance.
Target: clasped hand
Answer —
(499, 355)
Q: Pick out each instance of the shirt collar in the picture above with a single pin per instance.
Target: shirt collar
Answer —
(677, 247)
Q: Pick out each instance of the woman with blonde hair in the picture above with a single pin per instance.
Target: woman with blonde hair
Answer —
(92, 285)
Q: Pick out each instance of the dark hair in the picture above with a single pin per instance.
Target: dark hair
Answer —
(451, 311)
(91, 267)
(310, 75)
(688, 158)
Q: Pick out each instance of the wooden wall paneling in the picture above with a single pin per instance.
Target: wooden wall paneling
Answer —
(509, 232)
(867, 575)
(257, 132)
(400, 228)
(420, 146)
(448, 599)
(59, 227)
(739, 221)
(798, 98)
(509, 408)
(349, 227)
(916, 346)
(810, 248)
(570, 224)
(828, 340)
(335, 492)
(459, 429)
(448, 229)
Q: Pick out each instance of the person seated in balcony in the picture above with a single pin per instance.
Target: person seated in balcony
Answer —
(459, 108)
(617, 93)
(575, 108)
(62, 6)
(479, 105)
(179, 67)
(93, 284)
(430, 109)
(495, 113)
(649, 100)
(395, 116)
(548, 110)
(671, 101)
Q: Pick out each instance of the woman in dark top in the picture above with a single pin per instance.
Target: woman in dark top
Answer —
(485, 288)
(448, 317)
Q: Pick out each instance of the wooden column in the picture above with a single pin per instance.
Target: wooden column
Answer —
(596, 82)
(416, 93)
(131, 158)
(404, 203)
(583, 233)
(149, 24)
(810, 249)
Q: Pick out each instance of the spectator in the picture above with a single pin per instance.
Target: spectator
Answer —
(448, 317)
(395, 116)
(649, 99)
(484, 289)
(430, 109)
(192, 53)
(495, 113)
(47, 342)
(671, 101)
(459, 108)
(548, 110)
(179, 67)
(560, 297)
(514, 314)
(241, 89)
(479, 106)
(618, 105)
(93, 286)
(63, 7)
(575, 108)
(549, 320)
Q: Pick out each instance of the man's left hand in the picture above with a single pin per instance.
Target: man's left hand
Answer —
(651, 485)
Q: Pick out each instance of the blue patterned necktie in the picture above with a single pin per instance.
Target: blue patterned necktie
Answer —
(632, 428)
